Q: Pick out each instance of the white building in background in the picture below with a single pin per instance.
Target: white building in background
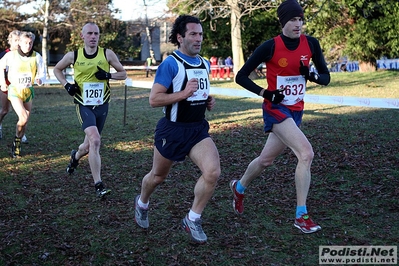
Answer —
(159, 38)
(150, 40)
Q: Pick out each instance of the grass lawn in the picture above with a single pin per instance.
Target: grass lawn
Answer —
(48, 217)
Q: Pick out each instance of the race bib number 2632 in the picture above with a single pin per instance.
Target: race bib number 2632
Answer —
(293, 88)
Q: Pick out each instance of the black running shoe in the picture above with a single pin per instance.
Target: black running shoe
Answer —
(16, 147)
(73, 163)
(101, 190)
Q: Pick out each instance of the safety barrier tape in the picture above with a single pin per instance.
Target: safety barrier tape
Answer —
(309, 98)
(321, 99)
(354, 101)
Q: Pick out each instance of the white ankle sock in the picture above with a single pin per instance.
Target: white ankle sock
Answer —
(192, 216)
(142, 205)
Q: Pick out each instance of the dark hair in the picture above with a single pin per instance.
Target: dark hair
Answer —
(179, 27)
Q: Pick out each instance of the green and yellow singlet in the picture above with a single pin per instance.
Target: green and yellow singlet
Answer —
(21, 74)
(92, 91)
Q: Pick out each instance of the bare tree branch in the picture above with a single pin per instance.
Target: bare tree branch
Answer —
(233, 9)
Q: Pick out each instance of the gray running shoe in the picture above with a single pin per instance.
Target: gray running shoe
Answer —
(1, 132)
(194, 229)
(101, 191)
(140, 214)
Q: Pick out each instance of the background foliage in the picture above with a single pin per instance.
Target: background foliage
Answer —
(258, 27)
(66, 19)
(48, 217)
(359, 30)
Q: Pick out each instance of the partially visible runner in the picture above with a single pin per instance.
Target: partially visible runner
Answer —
(13, 39)
(214, 67)
(24, 68)
(181, 87)
(221, 67)
(229, 66)
(287, 58)
(92, 93)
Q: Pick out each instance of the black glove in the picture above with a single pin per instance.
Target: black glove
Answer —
(71, 88)
(304, 70)
(274, 96)
(102, 74)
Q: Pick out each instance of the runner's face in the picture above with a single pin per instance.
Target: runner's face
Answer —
(191, 43)
(90, 35)
(26, 44)
(14, 42)
(293, 28)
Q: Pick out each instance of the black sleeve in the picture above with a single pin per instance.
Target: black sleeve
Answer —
(319, 61)
(262, 54)
(75, 55)
(2, 54)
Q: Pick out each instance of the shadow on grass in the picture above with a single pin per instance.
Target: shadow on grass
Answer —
(48, 217)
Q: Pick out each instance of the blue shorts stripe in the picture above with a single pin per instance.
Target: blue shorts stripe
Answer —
(277, 113)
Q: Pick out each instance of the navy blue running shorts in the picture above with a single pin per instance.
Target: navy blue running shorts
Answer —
(175, 140)
(277, 114)
(92, 115)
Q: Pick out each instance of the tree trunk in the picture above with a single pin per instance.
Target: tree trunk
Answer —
(147, 30)
(236, 42)
(44, 37)
(367, 66)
